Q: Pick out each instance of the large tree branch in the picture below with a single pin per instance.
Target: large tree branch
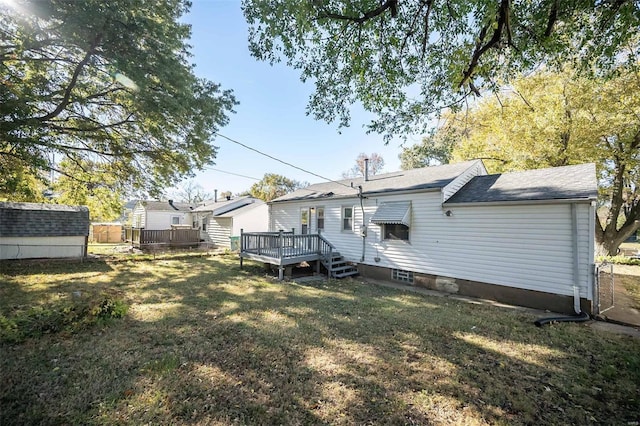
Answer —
(389, 4)
(480, 49)
(72, 84)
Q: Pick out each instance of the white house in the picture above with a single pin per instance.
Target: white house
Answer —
(152, 215)
(34, 230)
(219, 221)
(525, 238)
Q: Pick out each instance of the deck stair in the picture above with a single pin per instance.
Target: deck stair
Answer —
(338, 267)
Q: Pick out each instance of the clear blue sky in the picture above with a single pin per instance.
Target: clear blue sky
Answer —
(271, 114)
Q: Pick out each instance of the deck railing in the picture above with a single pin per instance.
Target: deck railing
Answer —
(170, 237)
(284, 244)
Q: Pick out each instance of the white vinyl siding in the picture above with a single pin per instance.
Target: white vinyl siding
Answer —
(527, 246)
(219, 231)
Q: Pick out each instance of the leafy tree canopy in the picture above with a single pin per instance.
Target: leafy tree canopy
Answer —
(106, 83)
(549, 120)
(375, 164)
(405, 59)
(96, 191)
(273, 186)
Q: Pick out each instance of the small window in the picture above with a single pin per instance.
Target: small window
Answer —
(175, 220)
(320, 218)
(347, 218)
(205, 221)
(396, 232)
(402, 276)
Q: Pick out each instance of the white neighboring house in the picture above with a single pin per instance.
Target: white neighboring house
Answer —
(158, 215)
(219, 221)
(525, 238)
(34, 230)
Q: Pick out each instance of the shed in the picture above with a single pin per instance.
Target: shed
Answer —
(33, 230)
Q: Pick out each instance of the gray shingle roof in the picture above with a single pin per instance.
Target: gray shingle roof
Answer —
(43, 220)
(405, 180)
(557, 183)
(165, 206)
(211, 206)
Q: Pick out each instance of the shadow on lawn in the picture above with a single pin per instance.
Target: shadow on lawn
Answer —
(207, 342)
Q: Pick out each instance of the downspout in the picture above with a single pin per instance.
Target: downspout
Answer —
(580, 316)
(363, 230)
(576, 259)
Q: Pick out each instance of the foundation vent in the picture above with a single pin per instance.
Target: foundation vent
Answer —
(402, 276)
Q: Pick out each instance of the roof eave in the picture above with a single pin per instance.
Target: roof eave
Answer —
(365, 194)
(516, 202)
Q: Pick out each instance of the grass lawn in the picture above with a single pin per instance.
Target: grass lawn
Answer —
(206, 343)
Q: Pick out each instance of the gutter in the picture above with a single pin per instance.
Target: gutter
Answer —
(517, 202)
(364, 194)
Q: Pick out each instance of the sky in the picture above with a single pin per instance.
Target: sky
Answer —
(271, 114)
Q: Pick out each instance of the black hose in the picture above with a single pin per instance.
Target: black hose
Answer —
(581, 317)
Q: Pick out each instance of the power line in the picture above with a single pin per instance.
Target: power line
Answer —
(230, 173)
(282, 161)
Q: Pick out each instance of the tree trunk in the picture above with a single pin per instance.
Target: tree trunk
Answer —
(608, 240)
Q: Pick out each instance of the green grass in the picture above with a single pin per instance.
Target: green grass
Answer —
(204, 342)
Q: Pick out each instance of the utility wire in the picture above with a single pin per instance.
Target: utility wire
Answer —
(230, 173)
(281, 161)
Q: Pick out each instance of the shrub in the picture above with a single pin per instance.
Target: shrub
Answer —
(619, 260)
(78, 314)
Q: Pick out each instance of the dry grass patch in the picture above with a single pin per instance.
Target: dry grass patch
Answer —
(206, 343)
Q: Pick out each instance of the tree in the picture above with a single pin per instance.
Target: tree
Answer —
(549, 120)
(376, 164)
(436, 148)
(96, 192)
(273, 186)
(190, 192)
(406, 59)
(105, 82)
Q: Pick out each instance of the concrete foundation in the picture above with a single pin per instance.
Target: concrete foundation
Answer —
(499, 293)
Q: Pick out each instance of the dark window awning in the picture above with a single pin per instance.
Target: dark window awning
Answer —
(393, 214)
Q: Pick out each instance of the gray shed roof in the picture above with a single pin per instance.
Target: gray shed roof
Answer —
(162, 206)
(43, 220)
(424, 178)
(557, 183)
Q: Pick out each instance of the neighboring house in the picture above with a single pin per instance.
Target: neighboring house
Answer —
(220, 220)
(157, 215)
(525, 238)
(33, 230)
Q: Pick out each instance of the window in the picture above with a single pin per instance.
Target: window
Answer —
(175, 220)
(304, 221)
(347, 218)
(320, 218)
(395, 232)
(205, 222)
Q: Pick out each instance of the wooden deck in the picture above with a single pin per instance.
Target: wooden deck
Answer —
(284, 248)
(146, 238)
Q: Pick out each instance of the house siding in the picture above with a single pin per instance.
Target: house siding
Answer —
(477, 169)
(219, 231)
(522, 246)
(253, 220)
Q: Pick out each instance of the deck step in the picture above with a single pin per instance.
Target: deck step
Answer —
(339, 267)
(346, 274)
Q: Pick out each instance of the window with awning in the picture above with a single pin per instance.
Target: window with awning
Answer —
(393, 214)
(394, 219)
